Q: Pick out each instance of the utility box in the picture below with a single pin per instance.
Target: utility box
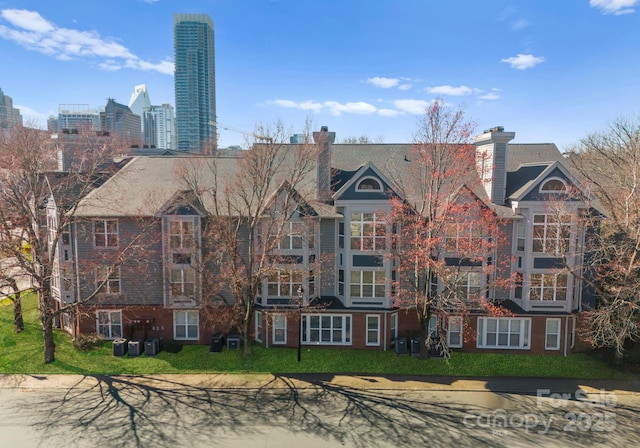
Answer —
(136, 347)
(416, 346)
(217, 342)
(151, 346)
(120, 347)
(234, 342)
(400, 346)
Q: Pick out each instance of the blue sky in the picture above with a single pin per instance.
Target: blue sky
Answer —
(549, 70)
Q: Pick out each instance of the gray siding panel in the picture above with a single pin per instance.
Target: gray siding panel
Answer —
(328, 268)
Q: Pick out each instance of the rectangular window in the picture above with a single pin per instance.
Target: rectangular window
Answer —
(284, 283)
(520, 236)
(367, 284)
(258, 317)
(503, 333)
(454, 332)
(432, 327)
(181, 234)
(373, 329)
(552, 335)
(394, 327)
(368, 231)
(329, 329)
(183, 279)
(109, 324)
(185, 325)
(470, 286)
(112, 284)
(551, 287)
(517, 290)
(279, 328)
(341, 235)
(463, 237)
(341, 282)
(551, 234)
(105, 233)
(294, 236)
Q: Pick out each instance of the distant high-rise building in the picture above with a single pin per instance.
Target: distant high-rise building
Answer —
(9, 116)
(139, 103)
(77, 118)
(195, 85)
(119, 120)
(159, 125)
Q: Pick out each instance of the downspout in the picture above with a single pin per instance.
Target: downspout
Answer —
(77, 294)
(386, 316)
(566, 332)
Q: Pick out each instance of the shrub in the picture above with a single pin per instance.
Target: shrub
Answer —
(86, 342)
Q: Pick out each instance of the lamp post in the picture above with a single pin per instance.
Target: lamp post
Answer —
(300, 297)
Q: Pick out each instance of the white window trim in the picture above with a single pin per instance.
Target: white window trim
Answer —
(274, 328)
(377, 330)
(546, 334)
(103, 222)
(393, 328)
(449, 331)
(368, 190)
(116, 276)
(541, 189)
(110, 336)
(258, 329)
(525, 333)
(175, 325)
(344, 341)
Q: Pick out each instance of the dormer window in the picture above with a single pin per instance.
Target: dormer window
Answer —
(553, 185)
(369, 184)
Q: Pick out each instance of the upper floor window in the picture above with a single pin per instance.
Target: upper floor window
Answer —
(553, 185)
(369, 184)
(367, 283)
(548, 287)
(464, 237)
(181, 234)
(469, 286)
(183, 281)
(368, 231)
(105, 233)
(294, 236)
(284, 283)
(111, 280)
(551, 233)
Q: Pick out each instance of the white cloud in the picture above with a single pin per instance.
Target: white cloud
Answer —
(615, 7)
(523, 61)
(405, 86)
(518, 24)
(383, 83)
(33, 32)
(491, 96)
(450, 90)
(411, 106)
(334, 107)
(389, 112)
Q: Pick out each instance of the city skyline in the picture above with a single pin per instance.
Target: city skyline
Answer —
(548, 71)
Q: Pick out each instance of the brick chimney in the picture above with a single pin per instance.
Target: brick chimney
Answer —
(324, 139)
(491, 162)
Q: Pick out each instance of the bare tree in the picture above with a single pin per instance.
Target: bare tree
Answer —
(610, 163)
(29, 185)
(440, 214)
(249, 200)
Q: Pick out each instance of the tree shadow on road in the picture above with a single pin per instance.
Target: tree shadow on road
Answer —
(139, 411)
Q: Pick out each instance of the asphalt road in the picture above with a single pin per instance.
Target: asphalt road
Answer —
(268, 411)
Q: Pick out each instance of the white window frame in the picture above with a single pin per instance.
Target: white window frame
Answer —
(393, 327)
(279, 329)
(113, 279)
(344, 330)
(548, 282)
(464, 237)
(181, 238)
(542, 188)
(284, 283)
(553, 232)
(367, 190)
(258, 329)
(368, 227)
(377, 283)
(547, 346)
(455, 326)
(111, 327)
(524, 332)
(101, 227)
(468, 288)
(372, 331)
(189, 327)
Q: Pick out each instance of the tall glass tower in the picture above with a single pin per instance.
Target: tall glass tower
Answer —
(195, 81)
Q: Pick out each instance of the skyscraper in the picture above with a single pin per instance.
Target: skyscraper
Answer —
(9, 116)
(194, 81)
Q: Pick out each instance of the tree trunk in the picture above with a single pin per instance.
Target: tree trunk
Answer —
(49, 344)
(46, 321)
(18, 323)
(246, 333)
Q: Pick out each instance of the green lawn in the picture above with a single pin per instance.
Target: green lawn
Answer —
(22, 353)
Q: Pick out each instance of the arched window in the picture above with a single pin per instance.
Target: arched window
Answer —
(553, 185)
(369, 184)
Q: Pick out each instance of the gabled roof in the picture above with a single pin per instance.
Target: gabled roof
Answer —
(356, 176)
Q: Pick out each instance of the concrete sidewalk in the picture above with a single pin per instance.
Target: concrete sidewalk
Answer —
(528, 386)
